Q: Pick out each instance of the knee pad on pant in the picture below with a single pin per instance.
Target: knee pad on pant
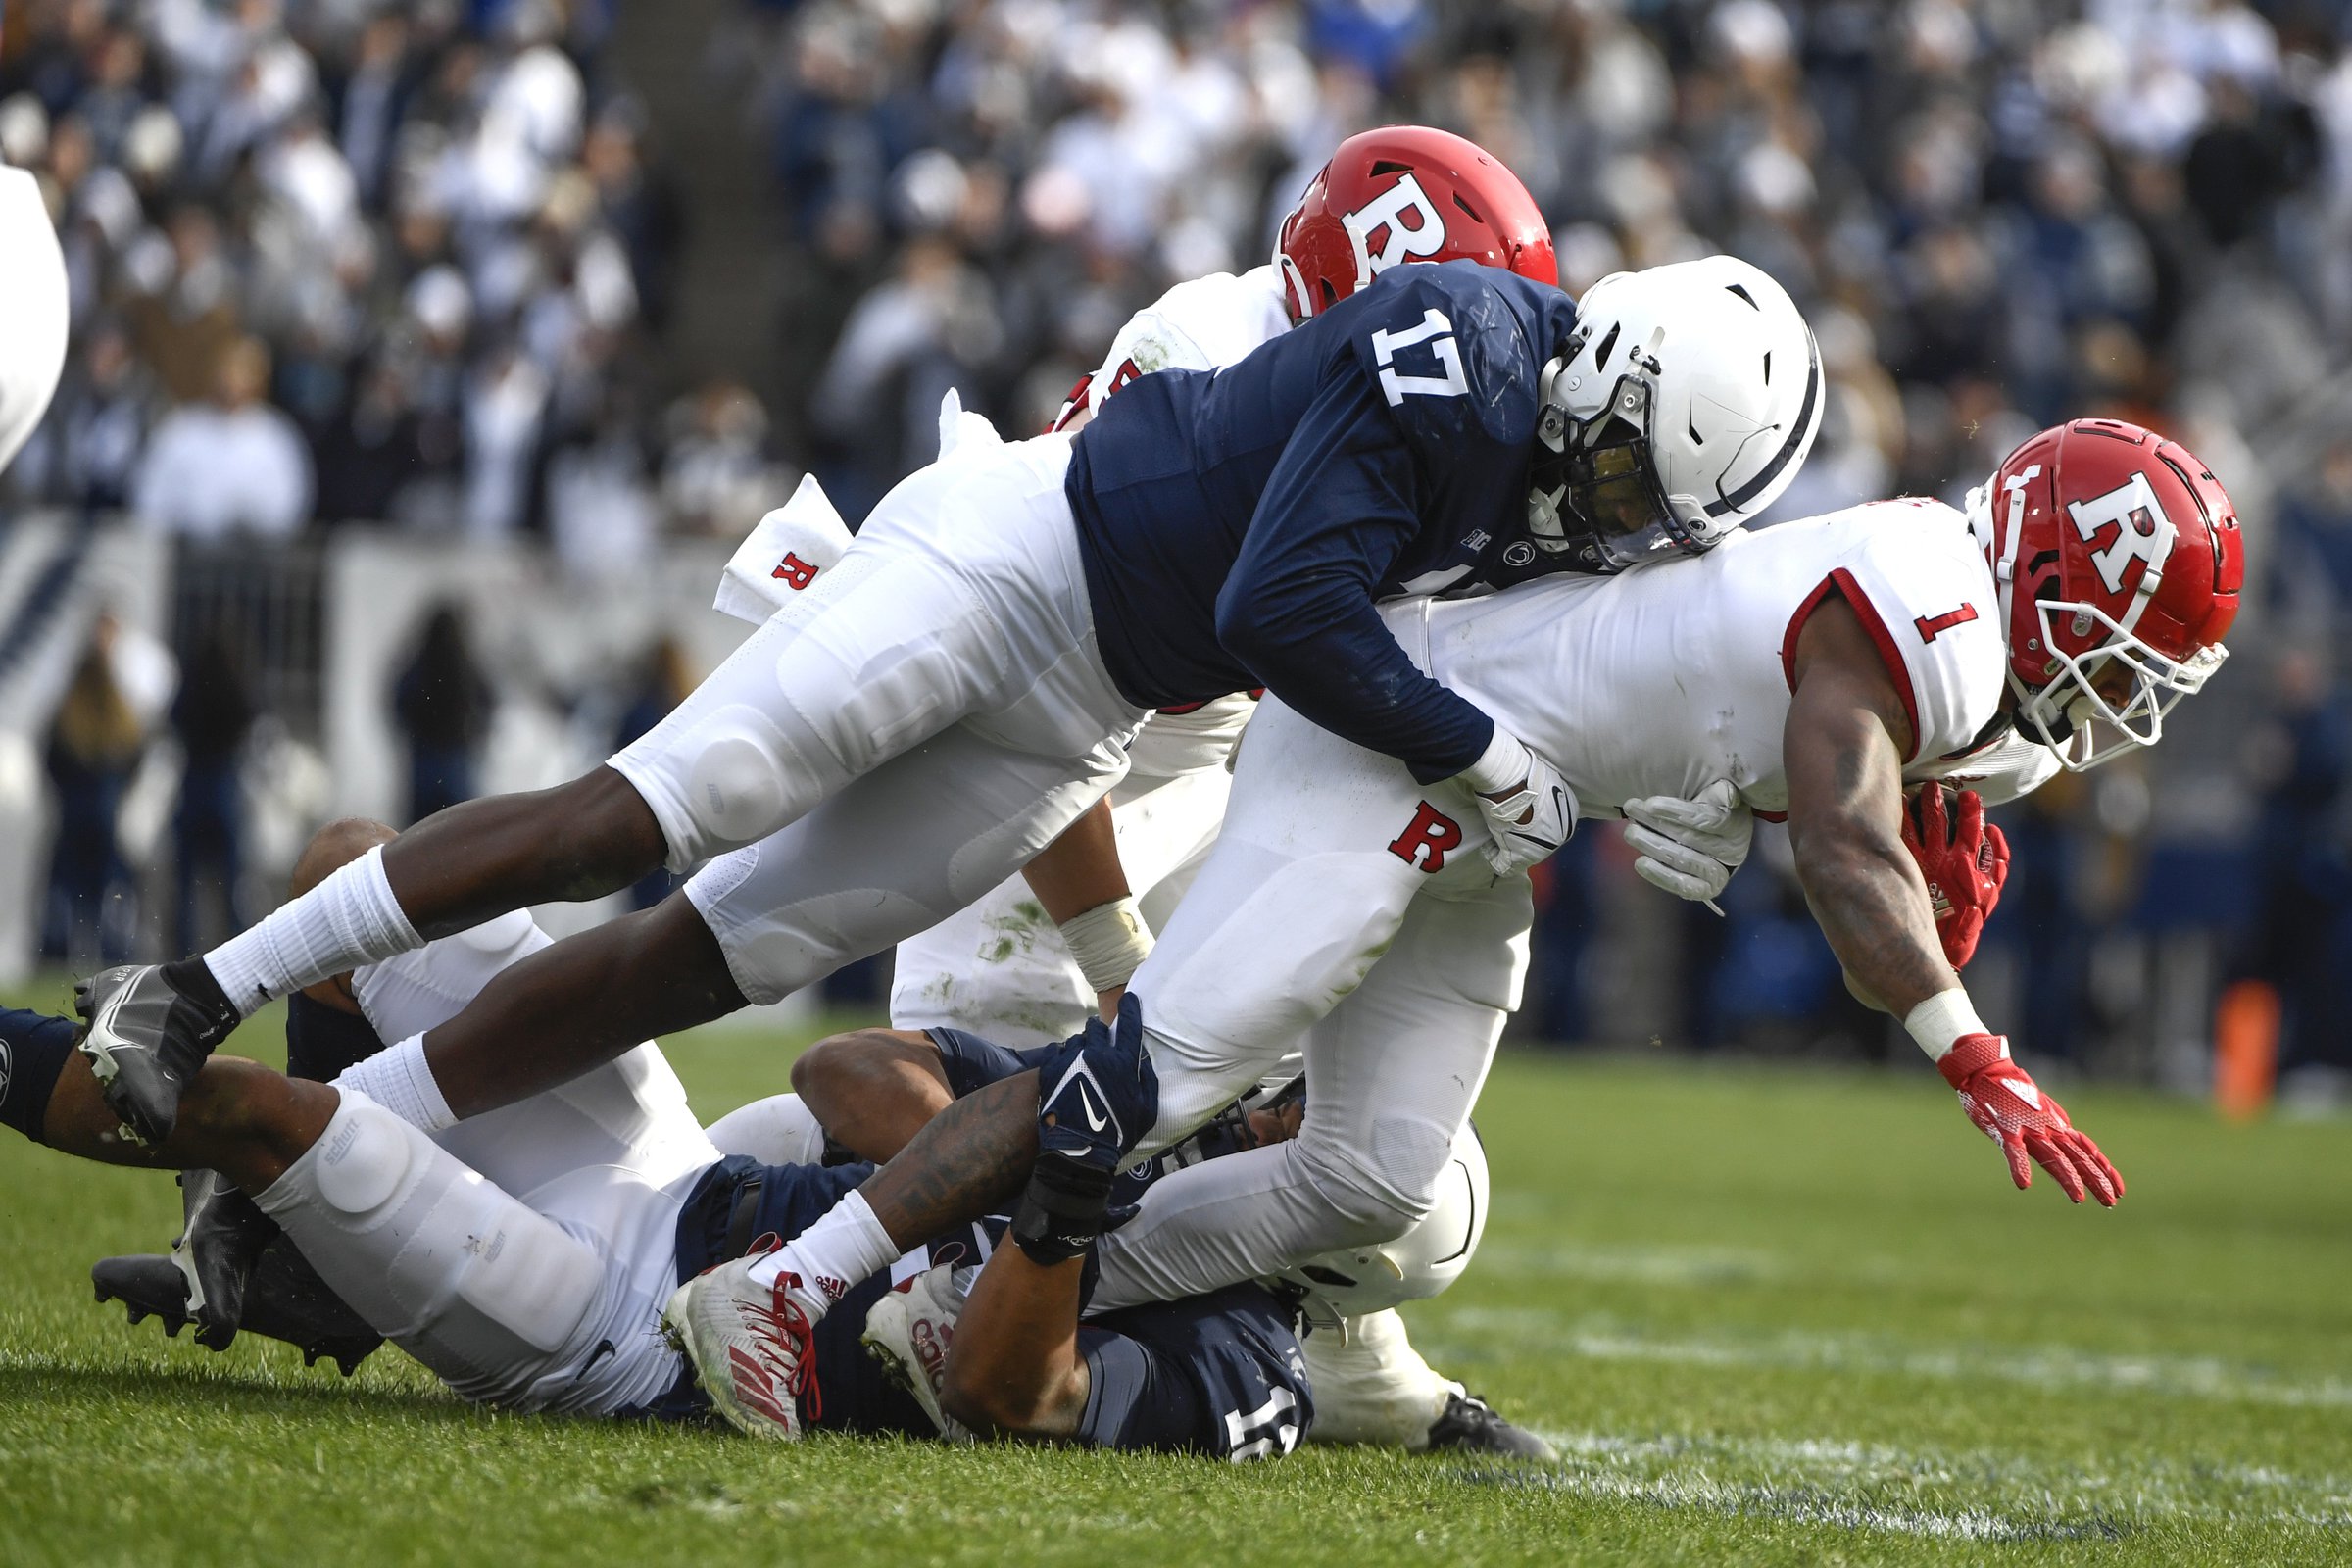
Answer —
(485, 1291)
(1374, 1194)
(736, 785)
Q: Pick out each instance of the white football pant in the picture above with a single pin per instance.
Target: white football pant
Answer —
(927, 716)
(522, 1255)
(550, 1303)
(999, 969)
(1347, 904)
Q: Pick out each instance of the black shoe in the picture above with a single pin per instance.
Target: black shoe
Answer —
(285, 1300)
(146, 1040)
(1469, 1425)
(217, 1251)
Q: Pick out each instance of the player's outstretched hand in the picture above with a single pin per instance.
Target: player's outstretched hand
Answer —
(1529, 810)
(2031, 1127)
(1964, 860)
(1691, 846)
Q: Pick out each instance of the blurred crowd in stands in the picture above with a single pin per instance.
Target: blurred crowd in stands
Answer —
(350, 260)
(415, 263)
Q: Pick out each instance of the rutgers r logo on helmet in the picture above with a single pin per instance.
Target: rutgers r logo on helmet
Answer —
(1406, 193)
(2117, 560)
(1385, 216)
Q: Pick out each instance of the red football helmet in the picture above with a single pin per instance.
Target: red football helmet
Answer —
(1406, 193)
(2118, 559)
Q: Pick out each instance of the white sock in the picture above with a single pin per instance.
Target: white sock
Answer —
(348, 920)
(398, 1079)
(837, 1252)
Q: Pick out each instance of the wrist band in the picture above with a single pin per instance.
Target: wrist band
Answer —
(1109, 942)
(1504, 764)
(1061, 1211)
(1942, 1020)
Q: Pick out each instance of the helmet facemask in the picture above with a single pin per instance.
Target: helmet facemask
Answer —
(1593, 487)
(2086, 713)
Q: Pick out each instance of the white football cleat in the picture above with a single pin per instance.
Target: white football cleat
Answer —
(909, 1331)
(751, 1345)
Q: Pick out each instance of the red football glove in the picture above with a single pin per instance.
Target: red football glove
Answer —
(1964, 859)
(2011, 1110)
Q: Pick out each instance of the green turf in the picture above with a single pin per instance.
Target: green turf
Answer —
(1772, 1316)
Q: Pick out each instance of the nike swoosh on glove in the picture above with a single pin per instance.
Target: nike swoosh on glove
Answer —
(1691, 846)
(2033, 1129)
(1964, 860)
(1530, 810)
(1098, 1093)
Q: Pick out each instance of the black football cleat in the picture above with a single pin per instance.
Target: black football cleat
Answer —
(1469, 1425)
(149, 1283)
(146, 1040)
(284, 1300)
(220, 1244)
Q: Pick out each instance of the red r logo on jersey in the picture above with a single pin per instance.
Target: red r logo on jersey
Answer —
(796, 572)
(1424, 842)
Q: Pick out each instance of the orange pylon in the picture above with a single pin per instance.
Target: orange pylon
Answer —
(2246, 1049)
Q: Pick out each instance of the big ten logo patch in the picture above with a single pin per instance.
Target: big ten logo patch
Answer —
(1427, 839)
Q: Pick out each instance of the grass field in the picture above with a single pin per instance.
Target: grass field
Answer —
(1781, 1317)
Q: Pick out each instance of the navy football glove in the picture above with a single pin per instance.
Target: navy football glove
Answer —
(1098, 1095)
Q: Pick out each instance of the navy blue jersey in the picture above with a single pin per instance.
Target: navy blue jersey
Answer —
(1238, 525)
(1220, 1375)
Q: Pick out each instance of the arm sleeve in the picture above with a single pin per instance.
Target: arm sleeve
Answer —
(1297, 610)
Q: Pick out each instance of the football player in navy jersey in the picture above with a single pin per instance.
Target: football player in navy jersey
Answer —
(936, 706)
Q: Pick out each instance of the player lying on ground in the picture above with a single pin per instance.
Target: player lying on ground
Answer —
(1821, 669)
(954, 693)
(549, 1300)
(875, 1089)
(604, 1158)
(1382, 1390)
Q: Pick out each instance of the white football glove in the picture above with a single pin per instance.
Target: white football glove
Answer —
(1530, 810)
(1690, 847)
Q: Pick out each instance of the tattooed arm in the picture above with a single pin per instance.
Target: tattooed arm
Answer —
(973, 1159)
(1846, 736)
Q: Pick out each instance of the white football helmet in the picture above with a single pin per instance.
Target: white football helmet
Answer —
(1356, 1281)
(32, 325)
(1682, 406)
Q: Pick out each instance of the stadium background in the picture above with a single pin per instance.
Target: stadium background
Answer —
(428, 358)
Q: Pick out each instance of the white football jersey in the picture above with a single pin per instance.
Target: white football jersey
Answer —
(1663, 679)
(1203, 324)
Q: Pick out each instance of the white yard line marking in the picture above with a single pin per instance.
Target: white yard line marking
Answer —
(1846, 1485)
(2042, 1366)
(1633, 1264)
